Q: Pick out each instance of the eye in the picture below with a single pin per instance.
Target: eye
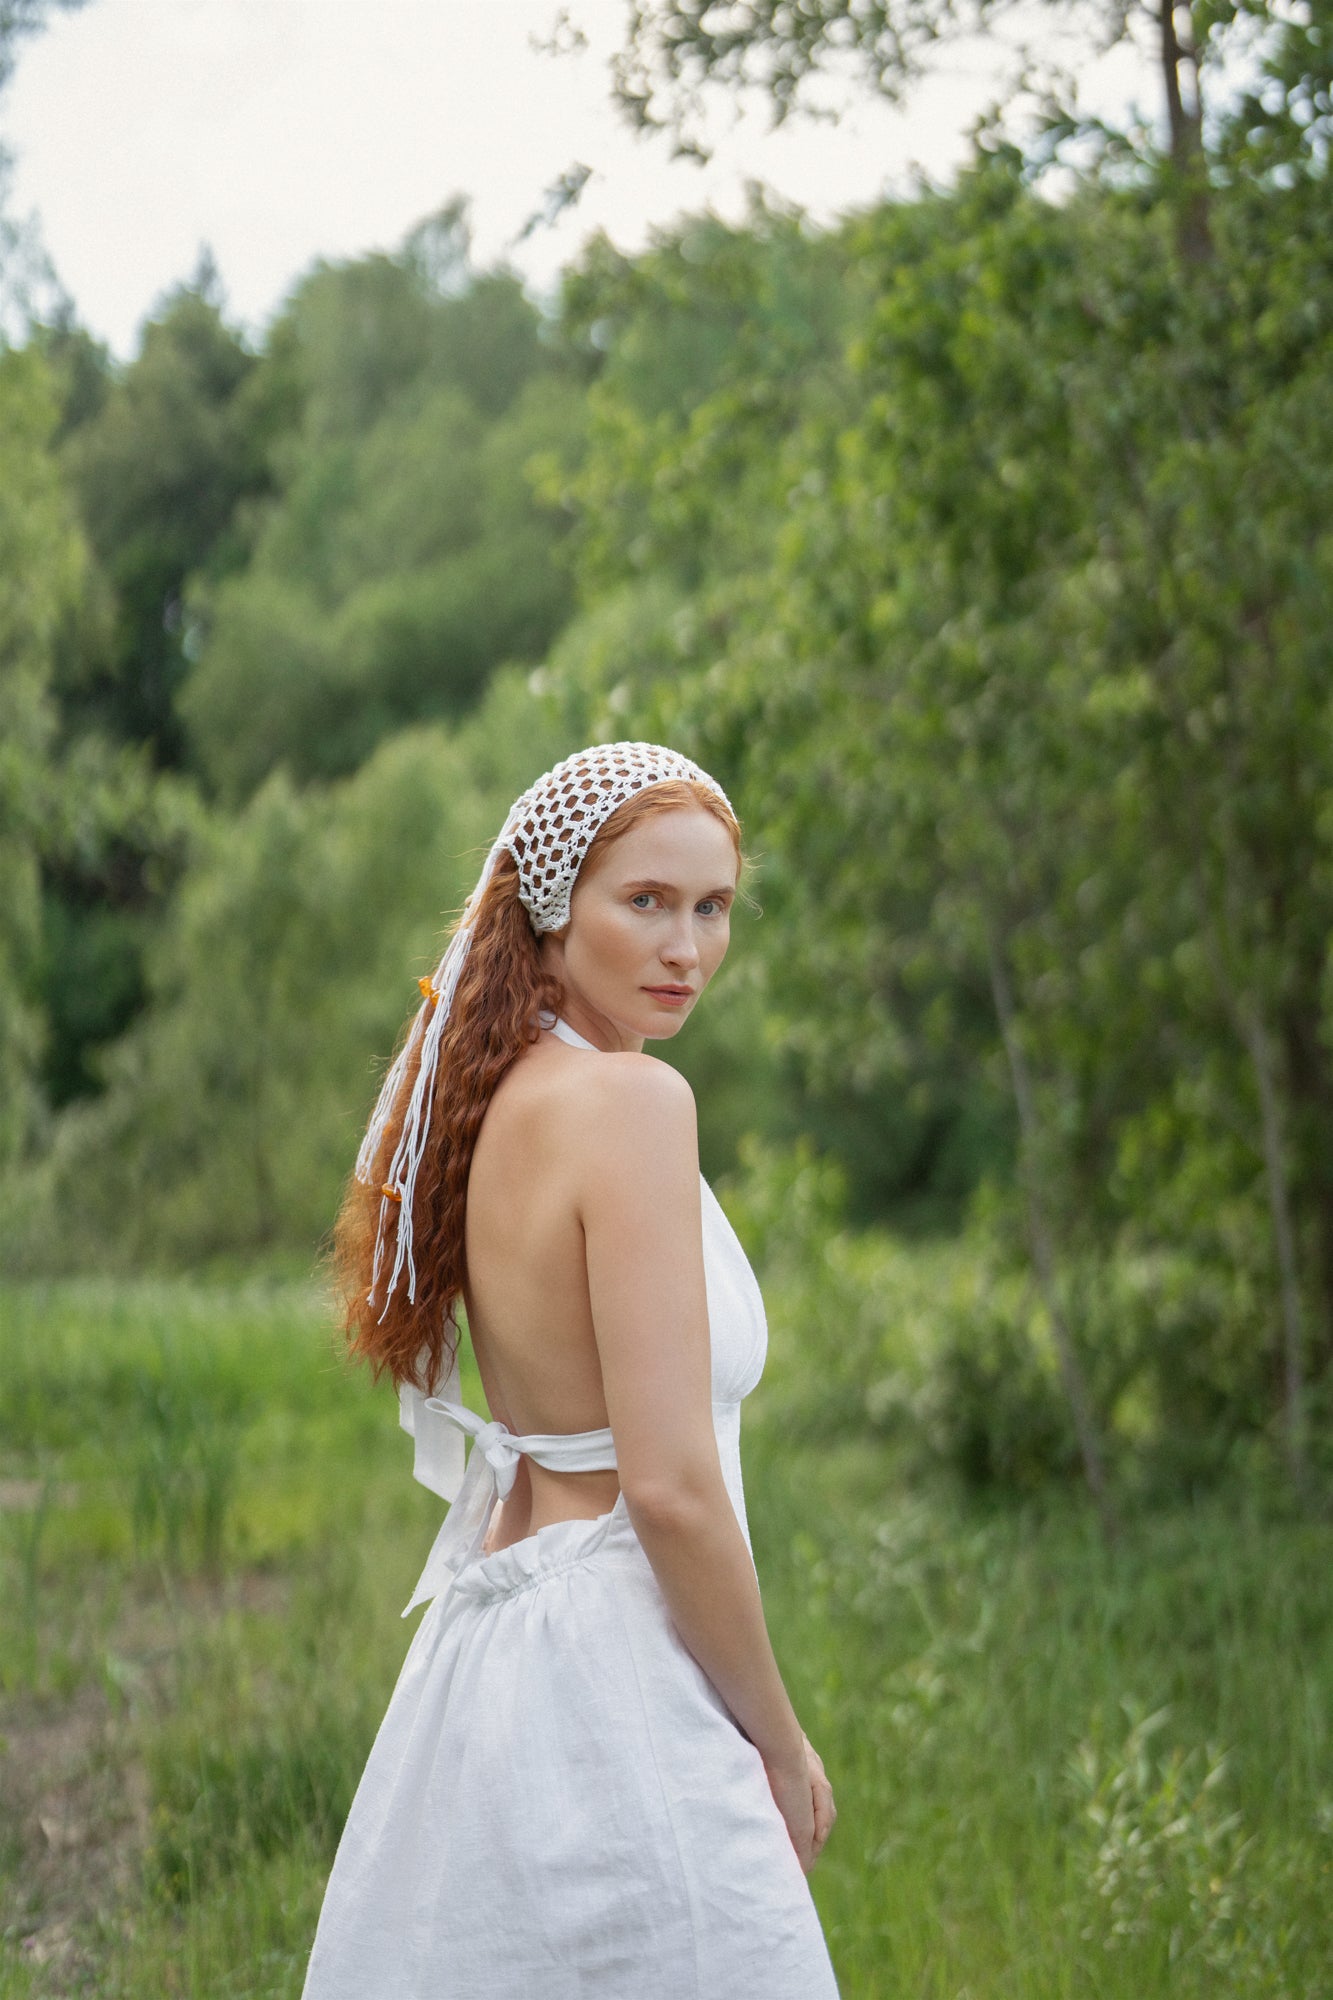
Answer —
(711, 907)
(642, 899)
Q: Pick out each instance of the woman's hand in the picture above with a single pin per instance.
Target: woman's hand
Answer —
(789, 1783)
(821, 1799)
(804, 1797)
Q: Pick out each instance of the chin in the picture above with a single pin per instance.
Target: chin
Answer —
(664, 1030)
(662, 1024)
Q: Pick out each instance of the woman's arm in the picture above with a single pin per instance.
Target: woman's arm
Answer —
(637, 1180)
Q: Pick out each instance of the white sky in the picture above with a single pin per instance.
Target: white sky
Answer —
(277, 131)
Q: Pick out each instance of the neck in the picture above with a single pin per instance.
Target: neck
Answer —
(597, 1028)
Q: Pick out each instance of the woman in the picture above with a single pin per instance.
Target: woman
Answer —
(590, 1780)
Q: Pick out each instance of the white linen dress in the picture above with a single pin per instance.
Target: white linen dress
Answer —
(559, 1805)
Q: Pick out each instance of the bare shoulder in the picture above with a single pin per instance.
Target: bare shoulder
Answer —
(620, 1110)
(640, 1083)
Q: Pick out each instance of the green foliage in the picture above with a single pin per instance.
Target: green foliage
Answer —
(1176, 1879)
(1060, 1768)
(160, 464)
(41, 561)
(158, 457)
(404, 557)
(675, 49)
(943, 1352)
(284, 1779)
(1006, 653)
(233, 1107)
(979, 544)
(725, 363)
(679, 56)
(1153, 1824)
(115, 837)
(993, 1408)
(357, 334)
(398, 564)
(183, 1478)
(715, 343)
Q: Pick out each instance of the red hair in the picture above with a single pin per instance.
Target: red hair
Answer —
(502, 990)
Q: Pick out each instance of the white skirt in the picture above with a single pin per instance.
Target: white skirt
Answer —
(558, 1806)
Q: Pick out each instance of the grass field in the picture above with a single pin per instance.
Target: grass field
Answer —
(1061, 1771)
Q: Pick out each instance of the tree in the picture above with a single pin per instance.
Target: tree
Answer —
(403, 557)
(161, 462)
(723, 389)
(41, 569)
(283, 971)
(160, 456)
(677, 51)
(1012, 654)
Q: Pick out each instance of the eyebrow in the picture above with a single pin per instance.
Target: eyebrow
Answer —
(673, 889)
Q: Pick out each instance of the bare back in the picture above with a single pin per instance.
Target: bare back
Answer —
(529, 1313)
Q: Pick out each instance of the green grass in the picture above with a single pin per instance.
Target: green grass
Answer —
(1063, 1772)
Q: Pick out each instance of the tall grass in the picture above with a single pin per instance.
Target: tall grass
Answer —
(1062, 1770)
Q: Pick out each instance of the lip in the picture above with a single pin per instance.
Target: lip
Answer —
(670, 996)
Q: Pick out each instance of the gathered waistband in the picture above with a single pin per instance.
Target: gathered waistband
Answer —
(549, 1552)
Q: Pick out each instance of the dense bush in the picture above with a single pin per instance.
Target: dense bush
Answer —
(944, 1349)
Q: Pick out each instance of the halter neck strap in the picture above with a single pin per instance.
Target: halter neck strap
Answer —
(563, 1032)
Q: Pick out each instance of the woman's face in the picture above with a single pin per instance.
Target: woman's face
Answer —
(649, 924)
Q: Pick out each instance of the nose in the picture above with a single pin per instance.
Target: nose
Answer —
(680, 948)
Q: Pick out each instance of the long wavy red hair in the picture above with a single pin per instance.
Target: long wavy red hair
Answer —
(502, 990)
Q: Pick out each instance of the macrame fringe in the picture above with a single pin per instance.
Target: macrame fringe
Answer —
(427, 1032)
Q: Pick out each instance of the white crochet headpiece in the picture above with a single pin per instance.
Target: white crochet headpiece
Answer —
(548, 831)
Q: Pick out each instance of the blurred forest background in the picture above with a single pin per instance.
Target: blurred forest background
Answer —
(981, 546)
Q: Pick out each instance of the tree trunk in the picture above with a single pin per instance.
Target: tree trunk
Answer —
(1244, 1010)
(1042, 1245)
(1259, 1045)
(1309, 1085)
(1194, 237)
